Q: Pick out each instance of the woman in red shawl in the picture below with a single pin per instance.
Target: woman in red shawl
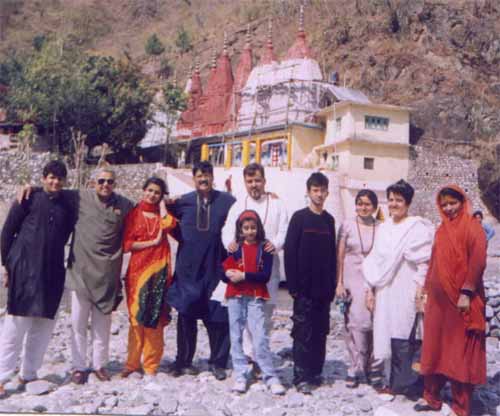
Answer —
(148, 277)
(454, 324)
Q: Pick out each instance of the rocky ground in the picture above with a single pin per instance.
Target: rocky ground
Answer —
(202, 395)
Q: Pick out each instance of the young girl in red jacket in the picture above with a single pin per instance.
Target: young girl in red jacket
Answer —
(247, 271)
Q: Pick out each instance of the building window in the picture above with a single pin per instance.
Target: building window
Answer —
(376, 123)
(338, 124)
(368, 163)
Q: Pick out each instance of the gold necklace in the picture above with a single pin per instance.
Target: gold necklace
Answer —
(267, 207)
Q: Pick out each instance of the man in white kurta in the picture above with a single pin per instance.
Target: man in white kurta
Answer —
(274, 217)
(396, 269)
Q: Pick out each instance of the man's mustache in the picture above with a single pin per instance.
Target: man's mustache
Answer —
(203, 182)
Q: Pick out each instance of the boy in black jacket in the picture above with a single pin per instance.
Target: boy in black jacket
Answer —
(310, 267)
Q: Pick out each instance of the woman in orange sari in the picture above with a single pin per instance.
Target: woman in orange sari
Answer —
(454, 322)
(148, 277)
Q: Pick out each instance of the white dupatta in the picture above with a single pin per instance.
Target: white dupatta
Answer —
(396, 265)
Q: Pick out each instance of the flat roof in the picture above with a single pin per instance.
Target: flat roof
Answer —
(327, 110)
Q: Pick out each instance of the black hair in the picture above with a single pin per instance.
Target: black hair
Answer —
(156, 181)
(56, 168)
(252, 169)
(372, 196)
(480, 213)
(261, 234)
(317, 179)
(451, 192)
(402, 188)
(203, 166)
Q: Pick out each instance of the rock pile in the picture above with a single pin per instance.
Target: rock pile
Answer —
(493, 307)
(202, 395)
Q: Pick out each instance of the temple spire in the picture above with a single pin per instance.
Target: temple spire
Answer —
(197, 65)
(224, 45)
(269, 56)
(248, 39)
(300, 49)
(301, 19)
(213, 64)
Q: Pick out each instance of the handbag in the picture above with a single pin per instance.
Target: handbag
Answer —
(404, 360)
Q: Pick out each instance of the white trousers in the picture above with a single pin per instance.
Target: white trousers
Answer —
(268, 326)
(82, 309)
(36, 334)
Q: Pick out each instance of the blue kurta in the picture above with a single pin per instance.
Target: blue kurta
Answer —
(200, 254)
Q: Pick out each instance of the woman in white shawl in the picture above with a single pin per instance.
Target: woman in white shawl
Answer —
(395, 270)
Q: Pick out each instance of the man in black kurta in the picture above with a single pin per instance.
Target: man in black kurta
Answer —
(310, 267)
(198, 270)
(32, 250)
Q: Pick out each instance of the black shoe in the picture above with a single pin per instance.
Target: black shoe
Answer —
(317, 381)
(174, 370)
(218, 372)
(304, 388)
(189, 371)
(423, 406)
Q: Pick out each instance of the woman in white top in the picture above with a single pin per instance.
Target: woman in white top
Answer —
(395, 269)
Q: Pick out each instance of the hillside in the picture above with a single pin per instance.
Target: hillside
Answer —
(441, 58)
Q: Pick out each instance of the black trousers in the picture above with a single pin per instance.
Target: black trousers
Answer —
(218, 337)
(311, 324)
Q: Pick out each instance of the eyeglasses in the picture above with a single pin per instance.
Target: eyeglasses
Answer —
(102, 181)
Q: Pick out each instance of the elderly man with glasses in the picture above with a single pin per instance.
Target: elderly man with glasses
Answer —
(94, 267)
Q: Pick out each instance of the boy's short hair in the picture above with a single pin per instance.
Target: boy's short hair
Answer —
(317, 179)
(204, 167)
(252, 169)
(478, 213)
(402, 188)
(56, 168)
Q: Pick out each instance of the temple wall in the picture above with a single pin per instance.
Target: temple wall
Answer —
(303, 141)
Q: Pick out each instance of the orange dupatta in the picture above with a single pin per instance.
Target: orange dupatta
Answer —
(451, 259)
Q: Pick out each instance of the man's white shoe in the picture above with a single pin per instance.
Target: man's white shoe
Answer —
(277, 388)
(239, 386)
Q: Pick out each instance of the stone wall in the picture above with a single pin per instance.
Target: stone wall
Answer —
(431, 167)
(14, 171)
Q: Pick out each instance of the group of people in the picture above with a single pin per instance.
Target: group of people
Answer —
(396, 279)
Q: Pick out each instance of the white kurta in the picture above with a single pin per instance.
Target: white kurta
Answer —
(274, 217)
(395, 267)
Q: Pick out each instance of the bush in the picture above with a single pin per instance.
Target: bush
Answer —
(154, 46)
(183, 40)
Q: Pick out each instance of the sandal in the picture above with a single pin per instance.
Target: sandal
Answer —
(423, 406)
(78, 377)
(351, 382)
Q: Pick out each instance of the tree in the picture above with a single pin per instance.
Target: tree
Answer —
(38, 42)
(183, 40)
(154, 46)
(174, 101)
(68, 92)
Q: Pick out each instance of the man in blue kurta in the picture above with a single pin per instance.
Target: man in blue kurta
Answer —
(198, 270)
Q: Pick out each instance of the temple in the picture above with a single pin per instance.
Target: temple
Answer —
(283, 113)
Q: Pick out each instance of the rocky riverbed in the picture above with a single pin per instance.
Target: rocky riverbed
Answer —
(202, 395)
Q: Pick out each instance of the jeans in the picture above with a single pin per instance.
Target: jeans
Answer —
(243, 310)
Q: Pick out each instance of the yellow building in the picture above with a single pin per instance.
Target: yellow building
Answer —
(367, 144)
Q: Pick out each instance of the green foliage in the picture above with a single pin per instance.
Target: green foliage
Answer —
(64, 90)
(174, 99)
(183, 40)
(38, 42)
(154, 46)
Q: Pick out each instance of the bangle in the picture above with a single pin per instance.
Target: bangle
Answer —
(467, 292)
